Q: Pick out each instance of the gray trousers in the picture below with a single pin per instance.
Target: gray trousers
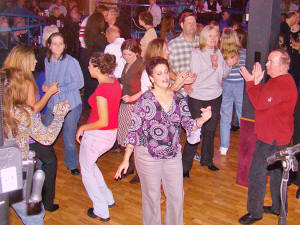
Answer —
(258, 178)
(152, 173)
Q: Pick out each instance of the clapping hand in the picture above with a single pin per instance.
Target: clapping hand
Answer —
(206, 113)
(256, 76)
(214, 61)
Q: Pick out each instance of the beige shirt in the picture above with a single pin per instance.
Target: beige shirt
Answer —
(149, 36)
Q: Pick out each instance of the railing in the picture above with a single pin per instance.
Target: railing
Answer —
(32, 22)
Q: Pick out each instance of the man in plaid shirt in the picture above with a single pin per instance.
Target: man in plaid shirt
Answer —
(180, 48)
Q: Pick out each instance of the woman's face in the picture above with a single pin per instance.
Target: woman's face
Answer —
(165, 51)
(212, 39)
(57, 45)
(160, 76)
(92, 69)
(129, 56)
(33, 63)
(141, 22)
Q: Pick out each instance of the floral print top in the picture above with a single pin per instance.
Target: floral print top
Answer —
(33, 127)
(156, 129)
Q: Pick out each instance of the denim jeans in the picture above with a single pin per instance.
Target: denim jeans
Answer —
(232, 94)
(69, 131)
(21, 210)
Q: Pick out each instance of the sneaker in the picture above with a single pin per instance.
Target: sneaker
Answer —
(223, 151)
(197, 157)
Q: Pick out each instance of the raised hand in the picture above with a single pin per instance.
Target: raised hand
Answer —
(53, 88)
(190, 79)
(258, 73)
(206, 113)
(245, 73)
(214, 61)
(62, 108)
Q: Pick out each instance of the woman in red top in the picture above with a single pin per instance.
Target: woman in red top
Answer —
(101, 128)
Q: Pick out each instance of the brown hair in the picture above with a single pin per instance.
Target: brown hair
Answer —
(95, 26)
(242, 35)
(153, 62)
(167, 25)
(146, 17)
(131, 45)
(49, 41)
(14, 96)
(106, 63)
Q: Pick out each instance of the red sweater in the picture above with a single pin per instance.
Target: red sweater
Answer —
(274, 105)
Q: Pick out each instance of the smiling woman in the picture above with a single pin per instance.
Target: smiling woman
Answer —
(65, 70)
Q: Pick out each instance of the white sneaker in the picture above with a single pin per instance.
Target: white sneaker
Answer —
(197, 157)
(223, 151)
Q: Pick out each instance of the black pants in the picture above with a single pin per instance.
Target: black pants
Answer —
(208, 132)
(90, 84)
(47, 155)
(258, 178)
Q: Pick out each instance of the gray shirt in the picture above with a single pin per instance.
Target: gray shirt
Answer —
(207, 85)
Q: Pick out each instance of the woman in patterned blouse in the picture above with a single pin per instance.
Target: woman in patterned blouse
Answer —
(154, 133)
(20, 123)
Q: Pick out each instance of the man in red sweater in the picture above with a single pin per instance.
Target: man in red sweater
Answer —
(274, 105)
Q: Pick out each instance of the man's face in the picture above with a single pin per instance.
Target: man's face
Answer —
(151, 2)
(189, 26)
(274, 64)
(225, 16)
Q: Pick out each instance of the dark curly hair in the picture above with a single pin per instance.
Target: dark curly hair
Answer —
(153, 62)
(105, 62)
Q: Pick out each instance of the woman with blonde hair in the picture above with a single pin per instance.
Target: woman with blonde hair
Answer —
(22, 57)
(21, 123)
(233, 86)
(210, 67)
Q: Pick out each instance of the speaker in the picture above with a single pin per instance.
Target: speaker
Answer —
(263, 32)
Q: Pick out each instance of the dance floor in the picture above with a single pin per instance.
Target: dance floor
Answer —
(211, 198)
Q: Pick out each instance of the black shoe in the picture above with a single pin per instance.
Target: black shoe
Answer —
(248, 219)
(112, 205)
(234, 128)
(91, 214)
(268, 210)
(298, 193)
(186, 174)
(51, 208)
(212, 167)
(75, 172)
(135, 179)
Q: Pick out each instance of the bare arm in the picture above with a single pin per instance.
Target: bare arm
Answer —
(103, 116)
(37, 106)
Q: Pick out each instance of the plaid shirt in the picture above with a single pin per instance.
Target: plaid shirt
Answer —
(180, 53)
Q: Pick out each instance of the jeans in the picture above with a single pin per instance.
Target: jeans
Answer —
(232, 93)
(21, 210)
(92, 178)
(69, 131)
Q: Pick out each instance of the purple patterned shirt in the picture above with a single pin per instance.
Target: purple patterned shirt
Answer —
(157, 130)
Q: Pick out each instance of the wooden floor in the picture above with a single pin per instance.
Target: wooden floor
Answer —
(211, 198)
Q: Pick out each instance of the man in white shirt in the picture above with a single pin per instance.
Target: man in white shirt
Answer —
(60, 6)
(155, 11)
(114, 48)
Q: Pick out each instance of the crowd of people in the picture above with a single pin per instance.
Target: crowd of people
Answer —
(141, 96)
